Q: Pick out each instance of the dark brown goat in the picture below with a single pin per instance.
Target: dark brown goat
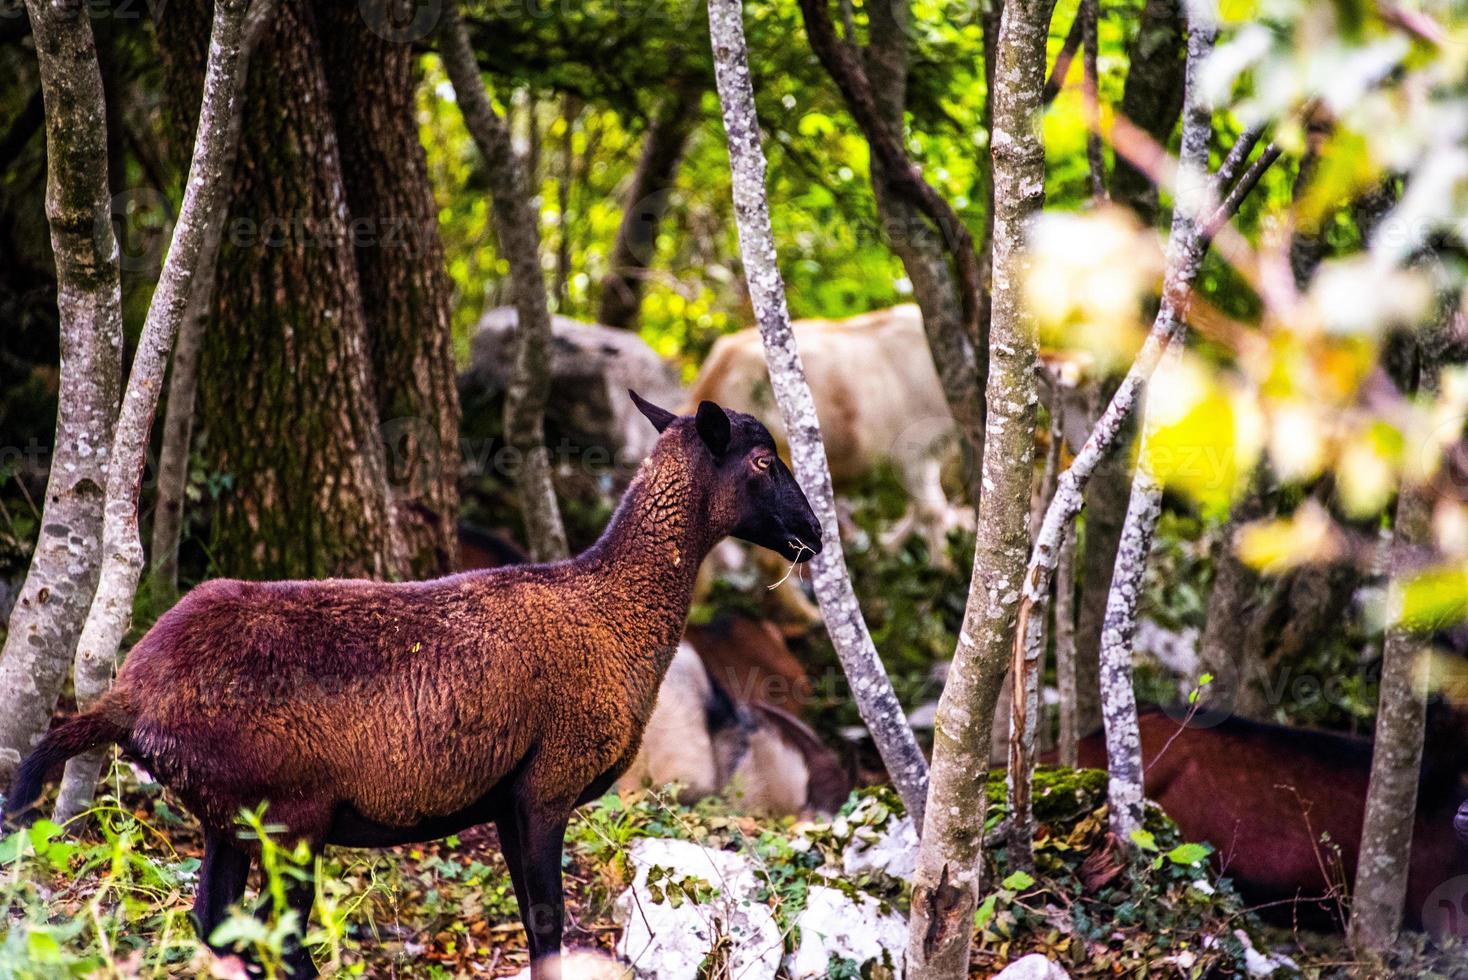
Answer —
(1263, 796)
(369, 714)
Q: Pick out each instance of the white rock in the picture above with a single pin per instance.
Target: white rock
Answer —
(587, 964)
(1032, 967)
(1262, 964)
(666, 943)
(834, 925)
(892, 850)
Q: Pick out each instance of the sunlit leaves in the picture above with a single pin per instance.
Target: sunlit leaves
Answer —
(1205, 432)
(1276, 546)
(1090, 275)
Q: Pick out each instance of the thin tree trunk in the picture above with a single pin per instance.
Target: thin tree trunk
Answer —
(922, 227)
(1152, 99)
(1118, 701)
(517, 227)
(647, 201)
(1401, 721)
(1065, 647)
(1090, 49)
(122, 547)
(59, 585)
(875, 699)
(183, 378)
(570, 109)
(950, 858)
(1186, 248)
(406, 293)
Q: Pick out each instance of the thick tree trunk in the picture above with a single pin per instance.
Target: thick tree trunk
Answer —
(647, 201)
(922, 228)
(875, 699)
(518, 228)
(950, 858)
(122, 546)
(406, 293)
(287, 405)
(183, 376)
(59, 585)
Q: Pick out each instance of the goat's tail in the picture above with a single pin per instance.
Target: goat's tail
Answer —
(101, 725)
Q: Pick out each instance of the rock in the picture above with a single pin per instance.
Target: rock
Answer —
(890, 849)
(667, 942)
(1032, 967)
(592, 367)
(834, 925)
(1263, 964)
(587, 964)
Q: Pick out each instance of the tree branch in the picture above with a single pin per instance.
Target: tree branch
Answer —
(875, 699)
(517, 227)
(122, 549)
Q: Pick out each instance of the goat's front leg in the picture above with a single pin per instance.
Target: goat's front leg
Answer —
(540, 836)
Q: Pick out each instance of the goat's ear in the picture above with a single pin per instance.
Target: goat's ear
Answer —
(660, 418)
(712, 423)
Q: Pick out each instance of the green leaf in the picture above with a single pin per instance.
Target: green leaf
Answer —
(1187, 854)
(43, 947)
(1018, 881)
(1144, 839)
(984, 912)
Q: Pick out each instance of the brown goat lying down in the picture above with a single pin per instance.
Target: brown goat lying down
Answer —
(371, 714)
(708, 740)
(1264, 795)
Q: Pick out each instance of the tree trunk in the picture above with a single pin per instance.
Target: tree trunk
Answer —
(950, 858)
(1118, 700)
(183, 377)
(287, 406)
(1401, 720)
(922, 229)
(122, 546)
(59, 585)
(647, 201)
(875, 699)
(518, 228)
(1151, 99)
(1065, 648)
(406, 293)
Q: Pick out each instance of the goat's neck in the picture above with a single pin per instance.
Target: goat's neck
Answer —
(648, 557)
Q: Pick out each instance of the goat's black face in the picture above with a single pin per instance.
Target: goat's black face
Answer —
(755, 492)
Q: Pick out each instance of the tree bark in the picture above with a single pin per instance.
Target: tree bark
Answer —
(1401, 719)
(1118, 700)
(875, 699)
(922, 228)
(183, 377)
(122, 546)
(950, 859)
(59, 585)
(406, 292)
(647, 201)
(287, 406)
(1152, 97)
(517, 227)
(1065, 648)
(1186, 247)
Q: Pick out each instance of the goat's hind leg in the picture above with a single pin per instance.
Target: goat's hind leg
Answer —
(222, 877)
(540, 838)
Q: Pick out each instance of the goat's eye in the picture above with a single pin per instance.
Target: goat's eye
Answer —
(761, 463)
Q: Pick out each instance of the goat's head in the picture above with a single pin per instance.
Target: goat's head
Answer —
(753, 489)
